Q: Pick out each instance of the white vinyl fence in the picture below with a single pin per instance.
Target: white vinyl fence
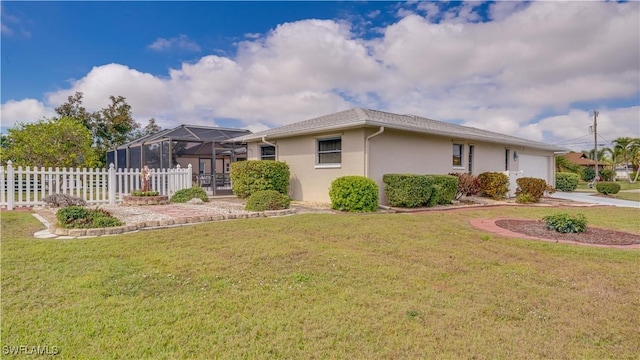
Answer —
(28, 186)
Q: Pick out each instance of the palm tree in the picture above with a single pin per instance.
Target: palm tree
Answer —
(564, 165)
(635, 158)
(611, 156)
(625, 146)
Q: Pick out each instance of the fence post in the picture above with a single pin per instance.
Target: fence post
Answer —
(111, 183)
(189, 182)
(11, 185)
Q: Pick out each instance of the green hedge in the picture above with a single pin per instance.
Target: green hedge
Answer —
(607, 188)
(446, 188)
(184, 195)
(248, 177)
(407, 190)
(412, 190)
(494, 184)
(354, 193)
(267, 200)
(567, 181)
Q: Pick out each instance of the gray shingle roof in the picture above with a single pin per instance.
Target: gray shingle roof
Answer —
(195, 133)
(358, 117)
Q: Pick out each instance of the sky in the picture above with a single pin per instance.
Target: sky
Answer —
(536, 70)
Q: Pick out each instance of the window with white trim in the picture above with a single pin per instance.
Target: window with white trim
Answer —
(329, 151)
(267, 152)
(457, 155)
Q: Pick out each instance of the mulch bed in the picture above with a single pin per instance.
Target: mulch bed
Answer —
(539, 229)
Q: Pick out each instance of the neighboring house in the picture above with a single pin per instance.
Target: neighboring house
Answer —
(582, 159)
(373, 143)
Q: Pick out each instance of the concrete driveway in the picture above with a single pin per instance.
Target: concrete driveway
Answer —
(593, 199)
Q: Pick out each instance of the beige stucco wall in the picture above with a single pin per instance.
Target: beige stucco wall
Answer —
(391, 152)
(308, 181)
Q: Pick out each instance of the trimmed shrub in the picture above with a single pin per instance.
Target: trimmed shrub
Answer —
(607, 188)
(63, 200)
(566, 223)
(444, 190)
(525, 198)
(567, 181)
(79, 217)
(354, 193)
(267, 200)
(468, 185)
(606, 174)
(533, 187)
(184, 195)
(588, 174)
(494, 184)
(407, 190)
(250, 176)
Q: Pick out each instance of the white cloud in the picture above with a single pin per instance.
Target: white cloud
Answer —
(148, 95)
(23, 111)
(501, 75)
(181, 42)
(6, 30)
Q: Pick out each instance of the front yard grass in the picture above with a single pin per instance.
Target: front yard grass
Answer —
(323, 286)
(628, 191)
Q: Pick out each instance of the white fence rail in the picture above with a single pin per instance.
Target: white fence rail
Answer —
(29, 186)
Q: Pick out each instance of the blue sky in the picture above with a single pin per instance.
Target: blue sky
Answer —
(534, 70)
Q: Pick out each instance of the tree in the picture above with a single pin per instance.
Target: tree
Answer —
(627, 148)
(63, 142)
(150, 128)
(73, 109)
(564, 165)
(110, 127)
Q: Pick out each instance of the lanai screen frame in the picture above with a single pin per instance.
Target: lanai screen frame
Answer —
(166, 140)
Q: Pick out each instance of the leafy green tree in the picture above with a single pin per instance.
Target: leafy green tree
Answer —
(110, 127)
(73, 109)
(63, 142)
(151, 128)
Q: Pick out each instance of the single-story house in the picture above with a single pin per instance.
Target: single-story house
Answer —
(582, 159)
(372, 143)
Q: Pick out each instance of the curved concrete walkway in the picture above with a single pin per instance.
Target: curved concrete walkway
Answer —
(590, 198)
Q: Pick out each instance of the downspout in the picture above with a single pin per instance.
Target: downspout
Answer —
(366, 150)
(264, 140)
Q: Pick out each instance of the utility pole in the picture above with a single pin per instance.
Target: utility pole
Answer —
(595, 137)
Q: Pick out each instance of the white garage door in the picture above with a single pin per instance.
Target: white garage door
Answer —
(535, 166)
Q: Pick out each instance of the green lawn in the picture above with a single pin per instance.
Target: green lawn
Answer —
(627, 191)
(392, 286)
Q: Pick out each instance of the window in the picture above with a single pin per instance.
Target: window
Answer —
(506, 159)
(267, 152)
(457, 155)
(330, 151)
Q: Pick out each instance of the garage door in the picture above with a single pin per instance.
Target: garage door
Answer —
(535, 166)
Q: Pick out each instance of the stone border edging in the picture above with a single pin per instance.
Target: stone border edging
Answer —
(491, 226)
(160, 224)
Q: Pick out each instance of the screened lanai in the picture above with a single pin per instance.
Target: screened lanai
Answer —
(202, 147)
